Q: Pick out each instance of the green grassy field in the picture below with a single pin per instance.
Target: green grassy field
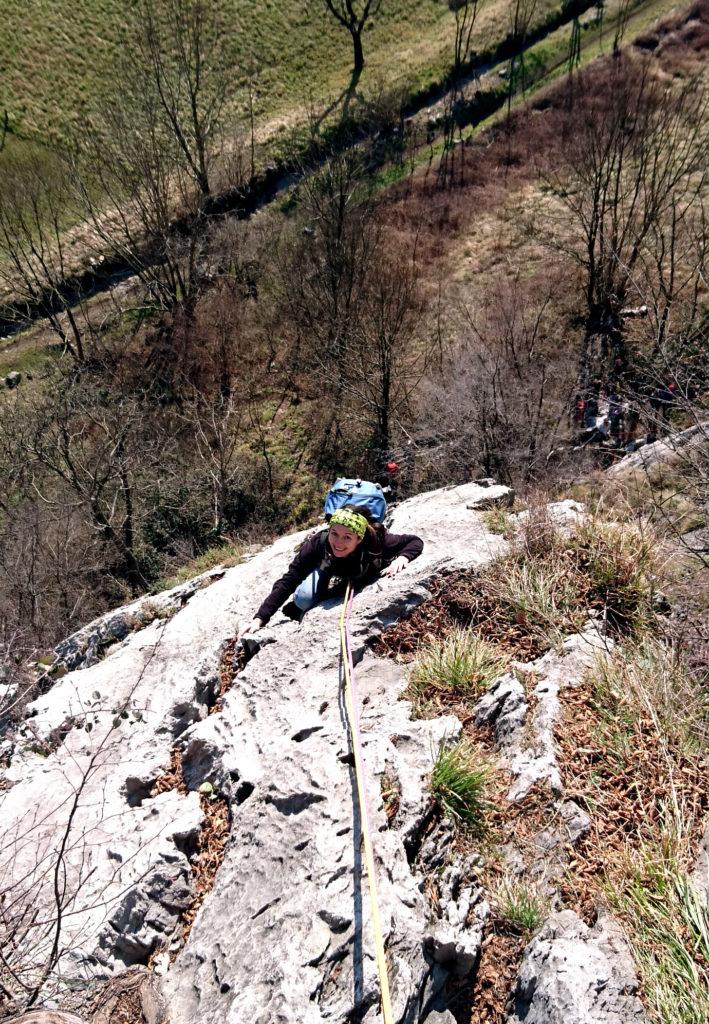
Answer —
(54, 52)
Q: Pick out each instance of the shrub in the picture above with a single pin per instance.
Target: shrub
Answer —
(458, 784)
(461, 665)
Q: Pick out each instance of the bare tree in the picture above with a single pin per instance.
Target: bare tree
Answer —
(389, 359)
(506, 391)
(135, 188)
(150, 149)
(353, 16)
(177, 51)
(325, 275)
(521, 14)
(635, 152)
(218, 435)
(464, 14)
(671, 271)
(37, 208)
(90, 455)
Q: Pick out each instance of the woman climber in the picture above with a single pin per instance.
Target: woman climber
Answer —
(352, 549)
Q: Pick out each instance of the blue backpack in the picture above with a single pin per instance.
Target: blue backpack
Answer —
(360, 493)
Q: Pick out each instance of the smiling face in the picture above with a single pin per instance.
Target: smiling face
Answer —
(342, 541)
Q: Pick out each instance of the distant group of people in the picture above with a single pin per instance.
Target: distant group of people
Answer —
(605, 414)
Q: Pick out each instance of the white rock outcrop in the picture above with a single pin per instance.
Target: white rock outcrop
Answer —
(284, 933)
(676, 447)
(90, 853)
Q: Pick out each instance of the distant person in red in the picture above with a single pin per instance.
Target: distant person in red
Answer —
(392, 475)
(577, 410)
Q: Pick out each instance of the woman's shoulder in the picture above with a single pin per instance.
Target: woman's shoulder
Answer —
(314, 541)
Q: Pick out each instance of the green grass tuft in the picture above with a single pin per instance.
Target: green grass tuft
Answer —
(667, 921)
(461, 665)
(459, 782)
(520, 906)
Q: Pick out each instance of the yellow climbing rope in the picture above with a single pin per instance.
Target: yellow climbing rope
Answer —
(353, 721)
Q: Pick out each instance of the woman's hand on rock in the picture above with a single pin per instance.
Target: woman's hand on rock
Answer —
(249, 626)
(396, 566)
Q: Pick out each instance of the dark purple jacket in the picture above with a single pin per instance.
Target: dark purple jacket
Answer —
(362, 566)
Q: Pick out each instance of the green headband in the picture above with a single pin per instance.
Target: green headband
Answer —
(352, 521)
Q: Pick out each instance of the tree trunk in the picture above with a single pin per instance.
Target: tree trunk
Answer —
(358, 67)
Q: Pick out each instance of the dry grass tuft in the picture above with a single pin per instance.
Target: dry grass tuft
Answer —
(525, 603)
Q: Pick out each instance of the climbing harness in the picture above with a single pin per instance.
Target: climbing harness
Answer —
(351, 705)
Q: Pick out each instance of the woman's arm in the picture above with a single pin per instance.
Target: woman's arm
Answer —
(401, 545)
(307, 559)
(404, 547)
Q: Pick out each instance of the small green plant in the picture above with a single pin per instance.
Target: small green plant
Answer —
(520, 905)
(458, 783)
(462, 665)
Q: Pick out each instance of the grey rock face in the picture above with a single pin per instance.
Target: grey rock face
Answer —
(285, 933)
(495, 497)
(666, 450)
(85, 647)
(564, 515)
(573, 974)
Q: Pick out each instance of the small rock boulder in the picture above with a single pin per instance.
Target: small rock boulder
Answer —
(13, 379)
(573, 974)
